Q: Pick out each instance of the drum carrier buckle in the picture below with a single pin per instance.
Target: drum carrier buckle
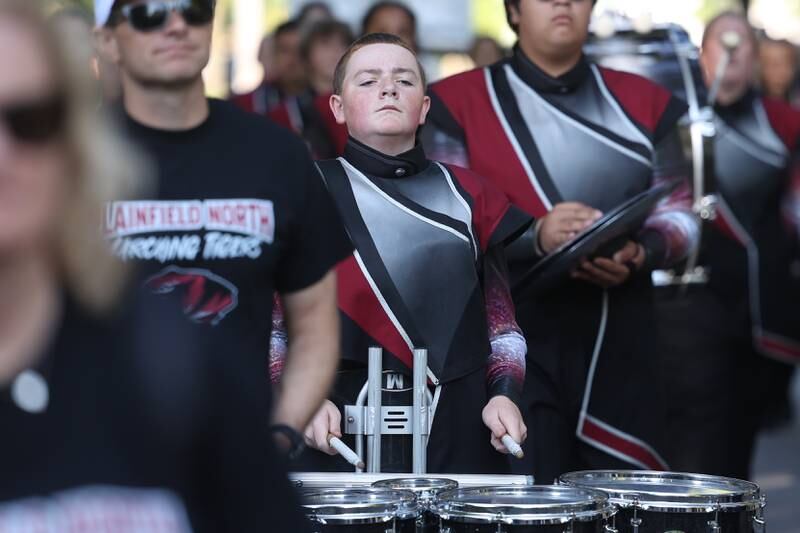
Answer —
(374, 420)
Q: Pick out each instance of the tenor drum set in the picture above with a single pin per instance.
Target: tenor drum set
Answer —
(599, 501)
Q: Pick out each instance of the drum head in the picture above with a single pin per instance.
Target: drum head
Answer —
(518, 505)
(425, 488)
(668, 491)
(348, 506)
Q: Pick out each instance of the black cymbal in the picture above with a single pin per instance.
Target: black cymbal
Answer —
(603, 238)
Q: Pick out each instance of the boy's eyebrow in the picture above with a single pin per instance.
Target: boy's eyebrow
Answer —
(377, 71)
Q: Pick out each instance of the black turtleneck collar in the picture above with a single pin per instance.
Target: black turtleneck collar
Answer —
(543, 82)
(742, 105)
(375, 163)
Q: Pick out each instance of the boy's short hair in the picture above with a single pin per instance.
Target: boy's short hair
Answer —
(367, 40)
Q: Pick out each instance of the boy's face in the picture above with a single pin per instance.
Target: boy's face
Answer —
(382, 94)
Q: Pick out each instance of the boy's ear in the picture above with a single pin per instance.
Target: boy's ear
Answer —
(426, 106)
(337, 108)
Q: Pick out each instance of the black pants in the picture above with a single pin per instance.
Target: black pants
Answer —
(459, 442)
(714, 381)
(561, 329)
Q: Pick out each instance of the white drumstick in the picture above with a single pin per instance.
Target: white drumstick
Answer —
(512, 446)
(345, 451)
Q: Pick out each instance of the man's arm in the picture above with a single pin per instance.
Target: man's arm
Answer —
(312, 322)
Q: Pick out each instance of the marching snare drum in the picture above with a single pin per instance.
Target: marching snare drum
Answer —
(676, 502)
(539, 509)
(367, 510)
(426, 489)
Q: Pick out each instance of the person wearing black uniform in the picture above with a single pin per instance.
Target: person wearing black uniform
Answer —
(567, 140)
(117, 414)
(717, 334)
(239, 211)
(428, 272)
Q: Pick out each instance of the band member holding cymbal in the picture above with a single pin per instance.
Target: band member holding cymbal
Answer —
(567, 141)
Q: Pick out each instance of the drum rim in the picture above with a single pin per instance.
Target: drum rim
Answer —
(423, 494)
(397, 504)
(602, 508)
(748, 499)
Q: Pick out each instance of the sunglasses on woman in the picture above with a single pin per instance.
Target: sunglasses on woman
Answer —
(152, 15)
(34, 121)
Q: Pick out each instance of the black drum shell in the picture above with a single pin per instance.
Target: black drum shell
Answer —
(450, 526)
(383, 527)
(658, 522)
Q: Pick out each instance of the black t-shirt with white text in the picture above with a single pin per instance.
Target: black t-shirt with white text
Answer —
(139, 421)
(240, 211)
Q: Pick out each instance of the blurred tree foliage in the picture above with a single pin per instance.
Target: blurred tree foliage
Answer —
(709, 8)
(57, 4)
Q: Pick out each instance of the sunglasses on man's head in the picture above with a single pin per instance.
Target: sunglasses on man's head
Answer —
(152, 15)
(34, 121)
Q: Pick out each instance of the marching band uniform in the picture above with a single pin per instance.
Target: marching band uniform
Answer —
(599, 137)
(717, 333)
(428, 272)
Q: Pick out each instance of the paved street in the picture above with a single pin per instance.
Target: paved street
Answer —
(777, 471)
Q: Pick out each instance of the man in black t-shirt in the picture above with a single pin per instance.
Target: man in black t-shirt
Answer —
(239, 211)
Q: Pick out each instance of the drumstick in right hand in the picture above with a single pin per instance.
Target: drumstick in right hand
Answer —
(513, 446)
(344, 450)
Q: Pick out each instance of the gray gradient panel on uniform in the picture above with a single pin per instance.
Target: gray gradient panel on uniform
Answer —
(584, 165)
(430, 265)
(747, 151)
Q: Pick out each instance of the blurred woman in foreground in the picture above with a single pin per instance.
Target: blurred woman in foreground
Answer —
(113, 419)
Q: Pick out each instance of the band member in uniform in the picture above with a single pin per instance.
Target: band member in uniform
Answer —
(428, 271)
(308, 113)
(780, 70)
(567, 140)
(239, 211)
(717, 334)
(284, 71)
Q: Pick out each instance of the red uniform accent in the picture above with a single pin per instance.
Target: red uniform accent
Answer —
(778, 347)
(280, 115)
(643, 100)
(492, 205)
(623, 444)
(358, 301)
(467, 98)
(245, 101)
(785, 120)
(336, 131)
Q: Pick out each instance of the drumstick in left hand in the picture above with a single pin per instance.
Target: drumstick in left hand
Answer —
(344, 450)
(512, 446)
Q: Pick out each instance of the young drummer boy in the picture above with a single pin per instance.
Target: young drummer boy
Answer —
(428, 272)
